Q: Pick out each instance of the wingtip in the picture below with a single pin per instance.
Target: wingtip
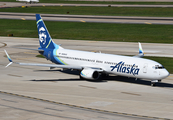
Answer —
(8, 56)
(140, 48)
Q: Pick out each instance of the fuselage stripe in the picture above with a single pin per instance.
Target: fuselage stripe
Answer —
(39, 21)
(61, 61)
(49, 43)
(58, 59)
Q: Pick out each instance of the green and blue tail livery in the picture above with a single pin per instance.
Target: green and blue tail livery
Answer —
(45, 39)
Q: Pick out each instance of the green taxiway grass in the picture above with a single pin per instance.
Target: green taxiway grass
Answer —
(91, 31)
(112, 11)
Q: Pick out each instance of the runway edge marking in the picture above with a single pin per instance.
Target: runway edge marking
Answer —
(87, 108)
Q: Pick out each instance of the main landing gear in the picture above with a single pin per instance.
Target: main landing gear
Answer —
(153, 82)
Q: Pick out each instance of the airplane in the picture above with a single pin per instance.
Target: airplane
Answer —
(92, 65)
(28, 1)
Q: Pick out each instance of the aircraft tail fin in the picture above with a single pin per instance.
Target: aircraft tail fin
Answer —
(45, 39)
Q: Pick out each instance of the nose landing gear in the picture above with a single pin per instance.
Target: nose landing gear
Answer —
(153, 82)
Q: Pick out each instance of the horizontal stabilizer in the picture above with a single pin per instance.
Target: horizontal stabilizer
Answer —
(8, 64)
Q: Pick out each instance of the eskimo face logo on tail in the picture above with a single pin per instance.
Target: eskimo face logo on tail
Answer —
(42, 35)
(123, 69)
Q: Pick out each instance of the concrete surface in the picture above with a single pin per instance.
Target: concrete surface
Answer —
(18, 108)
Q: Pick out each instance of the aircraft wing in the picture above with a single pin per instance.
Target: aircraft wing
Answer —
(52, 65)
(61, 66)
(141, 52)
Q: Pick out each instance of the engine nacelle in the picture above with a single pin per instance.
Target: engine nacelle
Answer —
(89, 73)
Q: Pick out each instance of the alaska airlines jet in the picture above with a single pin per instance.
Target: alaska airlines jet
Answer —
(93, 65)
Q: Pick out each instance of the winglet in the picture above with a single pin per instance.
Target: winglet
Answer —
(140, 49)
(141, 52)
(8, 59)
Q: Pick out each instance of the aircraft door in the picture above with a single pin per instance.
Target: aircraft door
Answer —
(145, 68)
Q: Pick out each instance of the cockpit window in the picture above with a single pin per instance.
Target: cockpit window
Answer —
(158, 67)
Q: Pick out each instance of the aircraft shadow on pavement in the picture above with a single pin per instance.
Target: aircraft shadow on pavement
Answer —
(138, 81)
(105, 79)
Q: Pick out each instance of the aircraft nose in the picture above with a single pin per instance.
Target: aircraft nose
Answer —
(165, 73)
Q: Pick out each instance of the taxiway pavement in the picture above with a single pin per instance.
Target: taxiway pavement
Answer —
(90, 18)
(118, 94)
(20, 108)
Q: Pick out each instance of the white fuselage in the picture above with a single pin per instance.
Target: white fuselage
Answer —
(128, 66)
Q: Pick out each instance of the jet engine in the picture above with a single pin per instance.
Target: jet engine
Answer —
(89, 73)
